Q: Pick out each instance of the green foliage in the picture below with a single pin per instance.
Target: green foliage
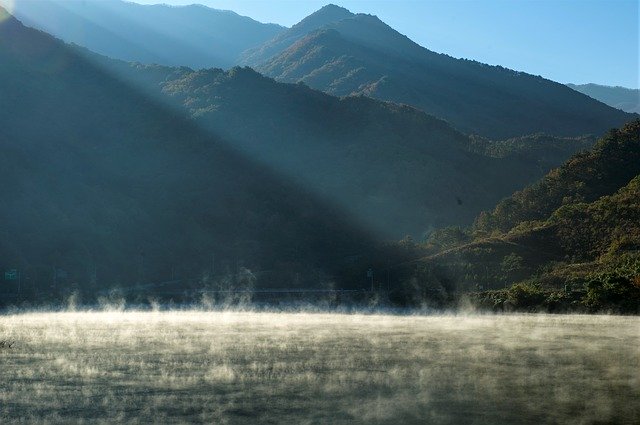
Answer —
(395, 168)
(511, 264)
(613, 292)
(525, 295)
(573, 238)
(545, 150)
(587, 176)
(448, 237)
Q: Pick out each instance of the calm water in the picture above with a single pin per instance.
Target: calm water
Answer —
(183, 367)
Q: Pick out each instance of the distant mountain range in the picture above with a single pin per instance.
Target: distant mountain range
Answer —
(619, 97)
(345, 54)
(195, 36)
(332, 50)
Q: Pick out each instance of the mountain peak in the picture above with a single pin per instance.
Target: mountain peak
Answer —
(324, 16)
(333, 8)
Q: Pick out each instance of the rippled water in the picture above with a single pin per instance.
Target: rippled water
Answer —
(235, 367)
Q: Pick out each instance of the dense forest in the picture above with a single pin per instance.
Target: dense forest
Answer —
(333, 50)
(568, 242)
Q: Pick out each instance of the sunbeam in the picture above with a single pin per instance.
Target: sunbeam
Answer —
(9, 7)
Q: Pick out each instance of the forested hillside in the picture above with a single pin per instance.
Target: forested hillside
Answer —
(103, 187)
(572, 240)
(398, 170)
(586, 177)
(345, 54)
(332, 50)
(145, 173)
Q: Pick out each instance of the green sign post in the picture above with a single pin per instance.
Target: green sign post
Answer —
(11, 274)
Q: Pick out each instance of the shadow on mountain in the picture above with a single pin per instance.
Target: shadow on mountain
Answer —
(103, 186)
(398, 170)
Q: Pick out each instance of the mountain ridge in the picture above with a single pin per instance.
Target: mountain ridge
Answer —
(112, 183)
(373, 59)
(618, 97)
(381, 161)
(193, 35)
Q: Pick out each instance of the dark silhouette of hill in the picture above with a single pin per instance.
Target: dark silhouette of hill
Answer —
(195, 36)
(346, 54)
(619, 97)
(570, 241)
(397, 169)
(113, 188)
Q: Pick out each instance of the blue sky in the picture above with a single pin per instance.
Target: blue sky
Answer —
(577, 41)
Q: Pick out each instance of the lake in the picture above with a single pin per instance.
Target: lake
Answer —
(308, 368)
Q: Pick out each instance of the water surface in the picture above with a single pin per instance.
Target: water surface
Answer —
(245, 368)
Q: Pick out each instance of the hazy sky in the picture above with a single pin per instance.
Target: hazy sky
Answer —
(577, 41)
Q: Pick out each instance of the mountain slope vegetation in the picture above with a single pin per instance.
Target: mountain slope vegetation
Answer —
(115, 189)
(347, 54)
(571, 240)
(399, 170)
(195, 35)
(332, 50)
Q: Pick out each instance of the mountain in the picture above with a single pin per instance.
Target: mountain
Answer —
(137, 173)
(570, 241)
(619, 97)
(284, 40)
(332, 50)
(103, 186)
(586, 177)
(398, 170)
(546, 151)
(355, 54)
(195, 36)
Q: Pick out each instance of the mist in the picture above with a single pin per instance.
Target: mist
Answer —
(248, 367)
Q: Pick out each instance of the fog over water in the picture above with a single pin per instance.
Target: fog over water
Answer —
(248, 367)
